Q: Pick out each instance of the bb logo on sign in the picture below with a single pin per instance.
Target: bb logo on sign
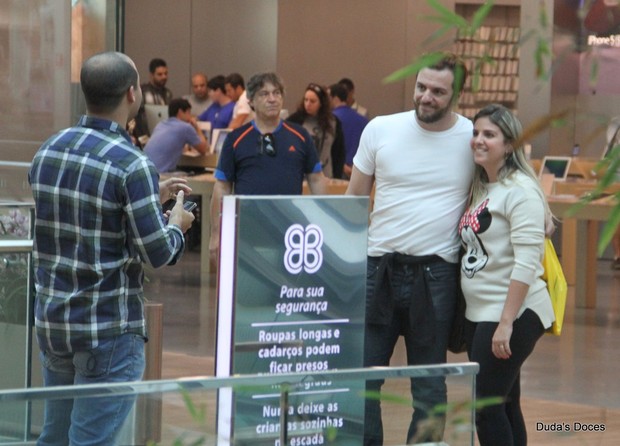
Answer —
(303, 248)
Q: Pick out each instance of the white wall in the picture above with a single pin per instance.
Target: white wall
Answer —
(323, 41)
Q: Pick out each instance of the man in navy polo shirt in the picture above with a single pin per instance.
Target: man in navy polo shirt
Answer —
(267, 156)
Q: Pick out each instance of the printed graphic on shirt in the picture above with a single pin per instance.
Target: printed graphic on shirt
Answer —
(473, 223)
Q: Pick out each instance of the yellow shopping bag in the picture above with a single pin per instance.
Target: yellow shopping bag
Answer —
(556, 285)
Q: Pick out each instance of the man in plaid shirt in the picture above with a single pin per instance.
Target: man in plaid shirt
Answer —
(98, 219)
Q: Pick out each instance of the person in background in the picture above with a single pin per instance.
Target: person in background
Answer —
(235, 89)
(351, 101)
(98, 219)
(508, 305)
(219, 114)
(315, 115)
(199, 99)
(352, 124)
(267, 156)
(421, 166)
(169, 138)
(154, 92)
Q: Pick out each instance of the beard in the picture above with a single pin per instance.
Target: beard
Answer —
(433, 116)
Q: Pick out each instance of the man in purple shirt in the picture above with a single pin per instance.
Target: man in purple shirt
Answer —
(170, 136)
(352, 124)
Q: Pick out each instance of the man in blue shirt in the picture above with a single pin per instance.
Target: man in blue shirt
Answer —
(98, 218)
(352, 124)
(220, 113)
(170, 136)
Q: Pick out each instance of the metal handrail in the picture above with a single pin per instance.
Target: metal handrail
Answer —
(13, 246)
(14, 164)
(213, 383)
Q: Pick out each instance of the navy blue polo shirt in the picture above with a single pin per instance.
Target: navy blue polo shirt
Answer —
(245, 163)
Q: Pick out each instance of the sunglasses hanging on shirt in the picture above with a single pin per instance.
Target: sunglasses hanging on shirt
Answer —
(267, 146)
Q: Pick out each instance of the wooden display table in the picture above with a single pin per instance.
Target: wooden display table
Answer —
(334, 187)
(581, 168)
(579, 243)
(195, 159)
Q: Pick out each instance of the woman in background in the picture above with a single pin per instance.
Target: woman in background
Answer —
(508, 306)
(314, 113)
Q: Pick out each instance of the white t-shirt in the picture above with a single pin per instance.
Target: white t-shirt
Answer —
(243, 106)
(422, 181)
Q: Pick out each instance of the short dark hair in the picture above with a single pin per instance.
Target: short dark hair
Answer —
(450, 61)
(348, 83)
(257, 82)
(176, 105)
(235, 80)
(105, 78)
(154, 64)
(338, 91)
(217, 83)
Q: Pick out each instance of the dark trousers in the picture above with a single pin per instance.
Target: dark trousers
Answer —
(380, 341)
(501, 423)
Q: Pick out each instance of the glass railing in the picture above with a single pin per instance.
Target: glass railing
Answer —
(291, 409)
(15, 308)
(14, 187)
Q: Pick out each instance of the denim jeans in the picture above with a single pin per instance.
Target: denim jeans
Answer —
(380, 340)
(90, 421)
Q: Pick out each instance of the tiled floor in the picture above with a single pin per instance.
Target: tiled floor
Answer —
(568, 379)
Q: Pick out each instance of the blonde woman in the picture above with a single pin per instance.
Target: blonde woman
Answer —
(508, 307)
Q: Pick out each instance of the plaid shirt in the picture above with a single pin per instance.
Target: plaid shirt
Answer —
(98, 218)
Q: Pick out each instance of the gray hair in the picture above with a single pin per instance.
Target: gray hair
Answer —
(259, 80)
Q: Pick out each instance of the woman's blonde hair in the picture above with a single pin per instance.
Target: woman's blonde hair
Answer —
(516, 160)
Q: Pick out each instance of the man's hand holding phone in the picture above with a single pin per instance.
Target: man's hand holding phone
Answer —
(178, 215)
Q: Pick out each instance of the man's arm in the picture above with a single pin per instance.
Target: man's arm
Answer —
(360, 183)
(317, 182)
(202, 147)
(220, 190)
(238, 120)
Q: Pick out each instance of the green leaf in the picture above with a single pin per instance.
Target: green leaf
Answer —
(447, 21)
(542, 50)
(197, 414)
(543, 19)
(559, 123)
(612, 165)
(435, 36)
(424, 61)
(446, 15)
(594, 68)
(481, 14)
(610, 228)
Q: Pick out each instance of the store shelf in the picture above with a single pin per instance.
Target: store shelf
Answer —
(492, 58)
